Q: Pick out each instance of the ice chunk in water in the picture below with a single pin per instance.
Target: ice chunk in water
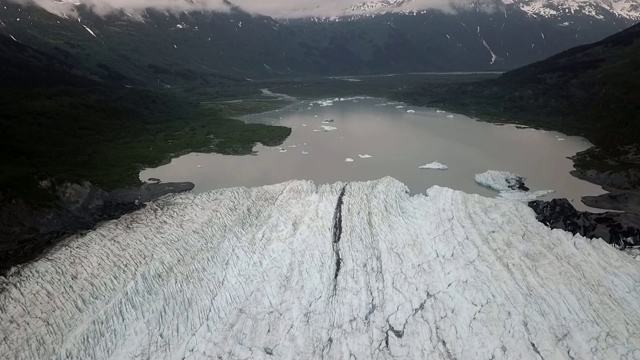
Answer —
(510, 185)
(434, 165)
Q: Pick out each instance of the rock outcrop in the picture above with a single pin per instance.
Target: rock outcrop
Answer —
(621, 229)
(26, 232)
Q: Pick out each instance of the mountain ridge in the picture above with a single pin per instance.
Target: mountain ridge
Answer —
(625, 9)
(210, 48)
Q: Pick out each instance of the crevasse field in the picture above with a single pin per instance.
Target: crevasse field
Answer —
(298, 271)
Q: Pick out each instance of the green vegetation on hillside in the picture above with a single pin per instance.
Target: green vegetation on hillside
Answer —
(77, 135)
(57, 124)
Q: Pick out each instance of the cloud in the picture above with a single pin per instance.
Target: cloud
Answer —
(103, 7)
(275, 8)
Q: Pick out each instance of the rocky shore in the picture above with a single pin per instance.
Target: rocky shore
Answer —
(26, 233)
(621, 227)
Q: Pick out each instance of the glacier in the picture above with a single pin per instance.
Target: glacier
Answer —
(349, 270)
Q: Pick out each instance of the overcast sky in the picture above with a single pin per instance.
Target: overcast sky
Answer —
(277, 8)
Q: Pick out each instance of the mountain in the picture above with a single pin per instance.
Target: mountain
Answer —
(65, 123)
(558, 9)
(206, 48)
(591, 88)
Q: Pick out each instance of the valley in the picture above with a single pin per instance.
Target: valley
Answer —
(360, 138)
(293, 179)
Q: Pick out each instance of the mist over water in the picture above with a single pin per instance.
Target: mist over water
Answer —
(389, 139)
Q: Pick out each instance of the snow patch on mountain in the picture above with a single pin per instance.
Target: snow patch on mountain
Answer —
(351, 10)
(493, 56)
(89, 31)
(627, 9)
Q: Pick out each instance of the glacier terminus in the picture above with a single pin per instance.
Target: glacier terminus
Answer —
(357, 270)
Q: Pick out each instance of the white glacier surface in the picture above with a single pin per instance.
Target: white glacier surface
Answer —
(298, 271)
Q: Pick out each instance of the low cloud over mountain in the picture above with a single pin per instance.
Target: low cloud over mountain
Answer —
(276, 8)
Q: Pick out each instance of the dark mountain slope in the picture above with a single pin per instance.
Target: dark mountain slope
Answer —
(57, 123)
(208, 48)
(25, 66)
(591, 90)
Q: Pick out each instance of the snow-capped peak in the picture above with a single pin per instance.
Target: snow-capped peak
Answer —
(628, 9)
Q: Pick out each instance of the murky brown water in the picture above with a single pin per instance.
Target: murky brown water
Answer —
(399, 140)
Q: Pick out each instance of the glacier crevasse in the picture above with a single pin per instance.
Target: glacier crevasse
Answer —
(290, 271)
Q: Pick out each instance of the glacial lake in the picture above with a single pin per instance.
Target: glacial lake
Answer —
(386, 138)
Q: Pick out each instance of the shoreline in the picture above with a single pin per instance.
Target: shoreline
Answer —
(85, 206)
(621, 186)
(30, 230)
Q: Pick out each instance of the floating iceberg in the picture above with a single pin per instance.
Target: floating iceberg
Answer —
(501, 180)
(348, 160)
(510, 185)
(392, 103)
(294, 270)
(328, 128)
(449, 116)
(327, 121)
(435, 165)
(365, 156)
(323, 103)
(440, 111)
(305, 153)
(411, 111)
(356, 98)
